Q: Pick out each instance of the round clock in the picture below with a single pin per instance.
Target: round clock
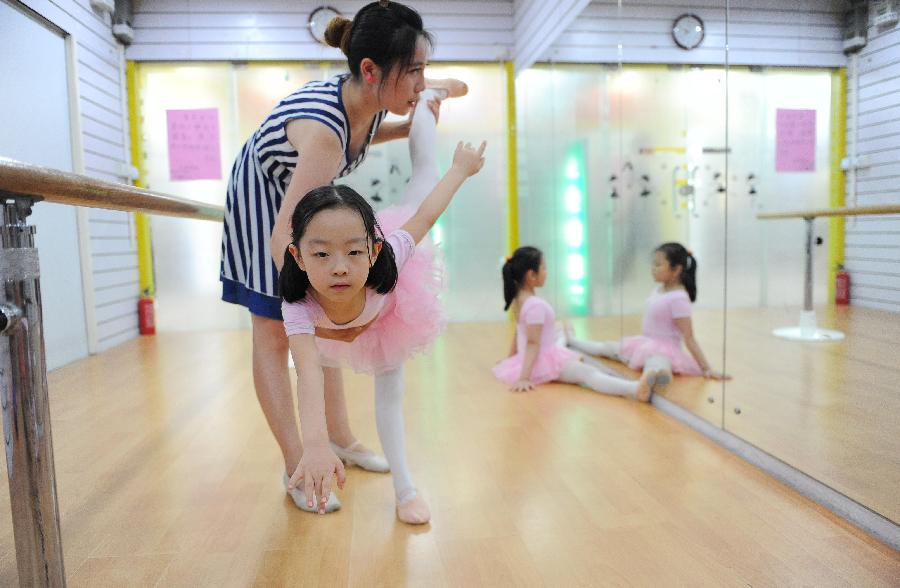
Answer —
(687, 31)
(318, 22)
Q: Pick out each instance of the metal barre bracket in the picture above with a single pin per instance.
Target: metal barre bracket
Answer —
(23, 202)
(10, 316)
(23, 396)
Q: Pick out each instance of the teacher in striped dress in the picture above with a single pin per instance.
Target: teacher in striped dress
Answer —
(318, 133)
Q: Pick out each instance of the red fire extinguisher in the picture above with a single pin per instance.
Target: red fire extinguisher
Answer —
(146, 321)
(842, 286)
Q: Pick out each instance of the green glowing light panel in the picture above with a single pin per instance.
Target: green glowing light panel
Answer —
(574, 236)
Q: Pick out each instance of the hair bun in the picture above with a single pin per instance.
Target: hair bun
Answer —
(338, 32)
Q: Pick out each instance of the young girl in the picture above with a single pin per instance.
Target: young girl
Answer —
(667, 323)
(353, 296)
(535, 356)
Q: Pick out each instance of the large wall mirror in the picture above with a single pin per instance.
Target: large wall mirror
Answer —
(663, 121)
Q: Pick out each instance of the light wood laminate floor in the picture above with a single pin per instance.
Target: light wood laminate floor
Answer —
(831, 410)
(167, 476)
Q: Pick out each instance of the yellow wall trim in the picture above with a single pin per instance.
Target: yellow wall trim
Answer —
(837, 196)
(141, 220)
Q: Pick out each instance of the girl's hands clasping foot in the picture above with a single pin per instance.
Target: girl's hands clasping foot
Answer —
(316, 469)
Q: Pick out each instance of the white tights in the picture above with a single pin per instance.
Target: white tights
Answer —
(608, 349)
(389, 385)
(422, 153)
(578, 372)
(389, 422)
(612, 350)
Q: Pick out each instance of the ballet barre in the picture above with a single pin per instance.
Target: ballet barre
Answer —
(52, 185)
(808, 329)
(23, 369)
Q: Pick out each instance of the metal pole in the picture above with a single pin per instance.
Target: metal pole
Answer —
(26, 410)
(808, 285)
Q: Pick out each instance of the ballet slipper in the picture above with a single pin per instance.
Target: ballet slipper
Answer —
(413, 510)
(660, 379)
(358, 455)
(448, 88)
(645, 389)
(660, 372)
(299, 498)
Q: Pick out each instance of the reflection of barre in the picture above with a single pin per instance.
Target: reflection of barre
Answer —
(654, 150)
(808, 331)
(856, 211)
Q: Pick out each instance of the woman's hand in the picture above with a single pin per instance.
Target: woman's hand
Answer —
(316, 468)
(467, 159)
(434, 104)
(522, 386)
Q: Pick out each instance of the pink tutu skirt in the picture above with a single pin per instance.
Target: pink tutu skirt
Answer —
(412, 316)
(636, 350)
(547, 367)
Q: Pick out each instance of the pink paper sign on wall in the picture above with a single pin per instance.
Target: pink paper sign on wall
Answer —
(194, 144)
(795, 140)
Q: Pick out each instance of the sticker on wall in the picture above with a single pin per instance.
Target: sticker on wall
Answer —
(194, 144)
(795, 140)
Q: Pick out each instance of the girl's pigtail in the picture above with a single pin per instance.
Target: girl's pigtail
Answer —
(689, 277)
(292, 281)
(523, 260)
(510, 288)
(383, 274)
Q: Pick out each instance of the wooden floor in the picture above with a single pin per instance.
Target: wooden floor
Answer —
(168, 476)
(831, 410)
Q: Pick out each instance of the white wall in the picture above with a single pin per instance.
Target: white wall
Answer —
(105, 141)
(760, 32)
(34, 60)
(464, 30)
(873, 243)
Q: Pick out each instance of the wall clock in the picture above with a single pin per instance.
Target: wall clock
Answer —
(318, 22)
(688, 31)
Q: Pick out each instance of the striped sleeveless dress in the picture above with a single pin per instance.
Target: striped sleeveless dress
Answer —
(259, 179)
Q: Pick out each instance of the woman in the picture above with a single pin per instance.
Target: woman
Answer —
(319, 133)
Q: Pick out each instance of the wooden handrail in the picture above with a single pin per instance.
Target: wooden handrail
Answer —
(53, 185)
(856, 211)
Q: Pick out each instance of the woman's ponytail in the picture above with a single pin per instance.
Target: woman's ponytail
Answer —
(337, 34)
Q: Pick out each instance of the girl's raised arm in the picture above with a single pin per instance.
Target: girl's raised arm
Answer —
(467, 161)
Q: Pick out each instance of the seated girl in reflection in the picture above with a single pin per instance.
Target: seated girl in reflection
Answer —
(536, 357)
(667, 324)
